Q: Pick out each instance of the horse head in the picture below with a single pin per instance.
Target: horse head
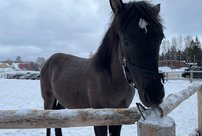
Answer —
(140, 34)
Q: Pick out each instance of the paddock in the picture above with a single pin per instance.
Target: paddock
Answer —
(127, 129)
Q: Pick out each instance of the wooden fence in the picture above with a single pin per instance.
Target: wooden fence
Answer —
(177, 75)
(156, 122)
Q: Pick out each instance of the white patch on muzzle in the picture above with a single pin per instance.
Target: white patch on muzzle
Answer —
(143, 24)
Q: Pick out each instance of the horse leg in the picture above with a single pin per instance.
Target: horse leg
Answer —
(58, 131)
(115, 130)
(100, 130)
(48, 132)
(58, 106)
(48, 104)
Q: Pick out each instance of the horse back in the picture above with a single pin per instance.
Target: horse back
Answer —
(65, 77)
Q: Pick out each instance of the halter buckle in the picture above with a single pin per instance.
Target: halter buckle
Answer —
(133, 84)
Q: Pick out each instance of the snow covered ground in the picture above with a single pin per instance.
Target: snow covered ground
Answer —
(25, 94)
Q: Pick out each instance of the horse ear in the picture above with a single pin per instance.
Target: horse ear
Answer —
(117, 6)
(157, 8)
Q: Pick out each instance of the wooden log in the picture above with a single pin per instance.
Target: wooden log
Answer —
(24, 119)
(173, 100)
(156, 127)
(199, 95)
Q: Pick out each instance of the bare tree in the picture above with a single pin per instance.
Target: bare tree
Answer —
(187, 42)
(40, 61)
(33, 66)
(180, 45)
(165, 45)
(91, 54)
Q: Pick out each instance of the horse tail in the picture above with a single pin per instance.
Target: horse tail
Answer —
(57, 105)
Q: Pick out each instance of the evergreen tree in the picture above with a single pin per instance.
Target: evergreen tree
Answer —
(192, 51)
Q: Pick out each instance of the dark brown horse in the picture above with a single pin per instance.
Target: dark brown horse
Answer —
(126, 59)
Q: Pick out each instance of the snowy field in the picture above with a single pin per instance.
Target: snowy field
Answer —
(25, 94)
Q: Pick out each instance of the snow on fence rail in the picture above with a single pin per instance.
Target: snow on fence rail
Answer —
(16, 119)
(156, 122)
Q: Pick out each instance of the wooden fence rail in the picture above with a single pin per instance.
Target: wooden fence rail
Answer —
(174, 100)
(177, 75)
(24, 119)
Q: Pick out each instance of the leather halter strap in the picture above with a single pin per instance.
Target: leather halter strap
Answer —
(146, 73)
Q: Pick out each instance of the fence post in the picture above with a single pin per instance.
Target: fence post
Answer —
(160, 127)
(199, 93)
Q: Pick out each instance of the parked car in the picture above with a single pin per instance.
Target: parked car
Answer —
(14, 76)
(27, 76)
(18, 75)
(35, 77)
(10, 76)
(197, 72)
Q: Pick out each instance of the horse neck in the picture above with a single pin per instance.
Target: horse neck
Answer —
(108, 52)
(116, 66)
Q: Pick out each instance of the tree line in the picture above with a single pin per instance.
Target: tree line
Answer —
(180, 48)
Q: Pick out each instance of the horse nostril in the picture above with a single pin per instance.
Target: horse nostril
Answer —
(153, 101)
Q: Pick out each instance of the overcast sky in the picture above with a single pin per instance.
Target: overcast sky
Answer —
(32, 28)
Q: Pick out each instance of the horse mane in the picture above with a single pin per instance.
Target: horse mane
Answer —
(132, 11)
(103, 55)
(140, 9)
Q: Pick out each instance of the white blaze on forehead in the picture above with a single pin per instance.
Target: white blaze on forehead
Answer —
(143, 24)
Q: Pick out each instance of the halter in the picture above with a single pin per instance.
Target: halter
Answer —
(146, 73)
